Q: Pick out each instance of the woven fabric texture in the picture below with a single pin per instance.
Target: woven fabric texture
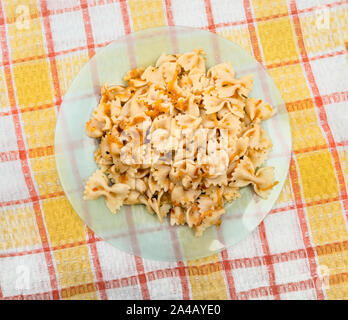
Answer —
(300, 251)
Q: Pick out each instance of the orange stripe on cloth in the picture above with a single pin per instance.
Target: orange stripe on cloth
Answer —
(209, 13)
(205, 268)
(307, 103)
(138, 261)
(127, 31)
(125, 16)
(88, 28)
(259, 292)
(223, 256)
(267, 253)
(50, 48)
(169, 11)
(136, 251)
(229, 277)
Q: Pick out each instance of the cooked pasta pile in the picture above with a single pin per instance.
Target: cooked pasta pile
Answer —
(180, 140)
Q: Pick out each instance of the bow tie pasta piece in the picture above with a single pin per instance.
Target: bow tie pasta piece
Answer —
(177, 216)
(160, 174)
(192, 60)
(246, 83)
(212, 103)
(223, 71)
(258, 109)
(258, 138)
(164, 58)
(230, 193)
(97, 186)
(258, 157)
(181, 196)
(100, 122)
(154, 76)
(262, 179)
(180, 140)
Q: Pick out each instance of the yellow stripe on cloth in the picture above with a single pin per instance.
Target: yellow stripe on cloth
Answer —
(4, 101)
(269, 8)
(21, 232)
(74, 269)
(239, 36)
(146, 14)
(330, 34)
(277, 49)
(207, 273)
(328, 226)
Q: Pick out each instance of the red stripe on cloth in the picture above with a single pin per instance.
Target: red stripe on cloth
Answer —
(77, 8)
(102, 2)
(257, 292)
(331, 98)
(319, 103)
(88, 28)
(328, 55)
(136, 252)
(307, 204)
(229, 24)
(24, 161)
(90, 235)
(169, 12)
(210, 18)
(252, 31)
(90, 241)
(50, 49)
(96, 262)
(255, 261)
(177, 252)
(103, 44)
(229, 277)
(28, 200)
(270, 267)
(261, 292)
(328, 5)
(138, 260)
(29, 109)
(14, 155)
(173, 231)
(320, 147)
(184, 281)
(125, 16)
(223, 257)
(304, 228)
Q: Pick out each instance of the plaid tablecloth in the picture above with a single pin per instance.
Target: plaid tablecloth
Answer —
(300, 251)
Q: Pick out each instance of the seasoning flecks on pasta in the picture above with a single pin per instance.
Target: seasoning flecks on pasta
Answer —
(181, 140)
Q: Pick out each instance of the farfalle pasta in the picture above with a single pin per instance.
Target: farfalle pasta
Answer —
(180, 139)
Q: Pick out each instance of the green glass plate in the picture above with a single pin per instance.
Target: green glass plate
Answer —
(133, 229)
